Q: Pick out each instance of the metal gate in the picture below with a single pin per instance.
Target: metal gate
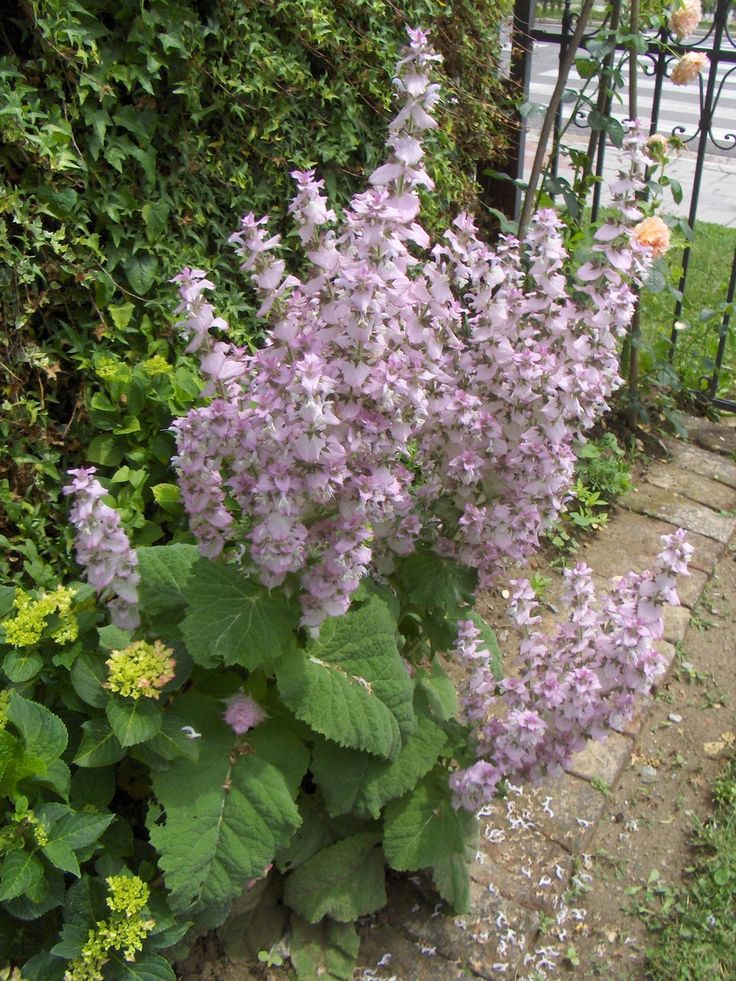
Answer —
(656, 60)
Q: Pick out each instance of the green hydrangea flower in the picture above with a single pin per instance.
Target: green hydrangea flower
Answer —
(140, 669)
(26, 627)
(124, 930)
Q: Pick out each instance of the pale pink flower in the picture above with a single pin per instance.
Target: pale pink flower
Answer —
(685, 18)
(243, 713)
(689, 67)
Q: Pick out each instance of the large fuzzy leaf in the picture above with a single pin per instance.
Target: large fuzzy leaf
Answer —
(351, 685)
(323, 951)
(352, 781)
(234, 620)
(433, 582)
(222, 817)
(423, 828)
(344, 881)
(165, 571)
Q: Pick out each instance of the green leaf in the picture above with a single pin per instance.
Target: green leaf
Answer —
(99, 745)
(451, 876)
(69, 831)
(112, 638)
(167, 496)
(234, 620)
(352, 781)
(87, 678)
(121, 316)
(155, 215)
(21, 872)
(165, 572)
(141, 271)
(324, 951)
(314, 834)
(106, 450)
(44, 733)
(434, 582)
(21, 666)
(488, 636)
(351, 685)
(223, 816)
(423, 828)
(146, 967)
(439, 691)
(344, 881)
(133, 720)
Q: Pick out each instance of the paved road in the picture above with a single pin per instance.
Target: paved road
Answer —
(679, 107)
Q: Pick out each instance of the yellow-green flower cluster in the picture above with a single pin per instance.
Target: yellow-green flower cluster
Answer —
(157, 365)
(26, 627)
(11, 974)
(140, 669)
(124, 930)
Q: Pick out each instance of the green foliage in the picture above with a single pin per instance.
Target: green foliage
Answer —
(325, 950)
(129, 137)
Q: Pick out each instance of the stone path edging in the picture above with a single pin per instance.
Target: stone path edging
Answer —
(532, 846)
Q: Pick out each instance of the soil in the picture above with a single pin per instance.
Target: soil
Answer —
(644, 834)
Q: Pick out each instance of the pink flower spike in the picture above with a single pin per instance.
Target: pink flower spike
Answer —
(243, 713)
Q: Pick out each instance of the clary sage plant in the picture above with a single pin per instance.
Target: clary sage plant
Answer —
(270, 709)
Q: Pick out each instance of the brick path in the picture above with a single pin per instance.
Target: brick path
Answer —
(532, 844)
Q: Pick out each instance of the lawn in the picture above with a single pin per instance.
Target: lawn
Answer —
(705, 293)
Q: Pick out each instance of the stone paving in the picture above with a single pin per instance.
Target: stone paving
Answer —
(532, 845)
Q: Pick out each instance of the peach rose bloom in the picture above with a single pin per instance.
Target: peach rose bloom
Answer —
(685, 18)
(653, 233)
(689, 67)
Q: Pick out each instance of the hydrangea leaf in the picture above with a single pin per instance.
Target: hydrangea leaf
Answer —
(344, 881)
(423, 828)
(146, 967)
(352, 781)
(43, 732)
(87, 678)
(351, 685)
(21, 666)
(99, 746)
(234, 620)
(324, 951)
(133, 720)
(21, 873)
(434, 582)
(222, 817)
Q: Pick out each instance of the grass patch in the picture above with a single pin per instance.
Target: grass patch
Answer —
(696, 925)
(705, 295)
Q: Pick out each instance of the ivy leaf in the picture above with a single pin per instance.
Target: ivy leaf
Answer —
(133, 720)
(324, 951)
(99, 746)
(155, 215)
(21, 872)
(223, 816)
(351, 685)
(141, 271)
(344, 881)
(44, 733)
(234, 620)
(434, 582)
(423, 828)
(21, 666)
(352, 781)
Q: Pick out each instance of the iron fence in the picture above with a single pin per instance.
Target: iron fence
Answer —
(660, 52)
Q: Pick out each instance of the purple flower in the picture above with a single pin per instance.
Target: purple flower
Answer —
(243, 713)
